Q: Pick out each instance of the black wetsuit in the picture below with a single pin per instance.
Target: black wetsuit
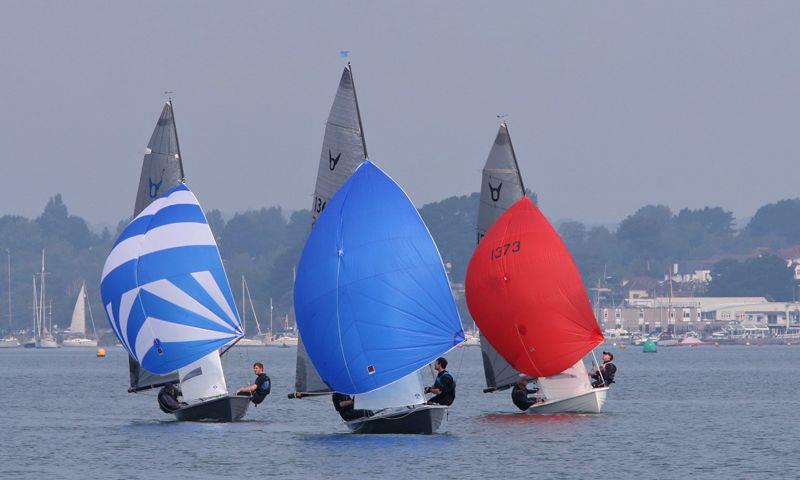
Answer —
(609, 370)
(447, 385)
(263, 387)
(520, 397)
(169, 402)
(349, 412)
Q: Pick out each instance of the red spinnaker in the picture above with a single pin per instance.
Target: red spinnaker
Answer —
(527, 297)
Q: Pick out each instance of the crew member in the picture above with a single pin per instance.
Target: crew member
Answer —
(345, 406)
(604, 377)
(519, 394)
(260, 388)
(168, 399)
(444, 387)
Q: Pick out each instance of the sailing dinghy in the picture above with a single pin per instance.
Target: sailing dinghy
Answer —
(374, 305)
(165, 291)
(526, 295)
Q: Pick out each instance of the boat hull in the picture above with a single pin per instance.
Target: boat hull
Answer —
(79, 342)
(422, 419)
(8, 343)
(47, 343)
(222, 409)
(589, 402)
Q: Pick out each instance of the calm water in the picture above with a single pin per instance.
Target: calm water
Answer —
(727, 412)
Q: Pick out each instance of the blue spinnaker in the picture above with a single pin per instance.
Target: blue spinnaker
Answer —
(372, 298)
(164, 288)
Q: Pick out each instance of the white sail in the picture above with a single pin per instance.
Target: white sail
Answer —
(567, 384)
(203, 379)
(409, 390)
(78, 324)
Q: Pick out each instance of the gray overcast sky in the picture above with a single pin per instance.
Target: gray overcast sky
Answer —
(612, 105)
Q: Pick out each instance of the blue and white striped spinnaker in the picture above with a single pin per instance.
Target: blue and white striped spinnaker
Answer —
(164, 288)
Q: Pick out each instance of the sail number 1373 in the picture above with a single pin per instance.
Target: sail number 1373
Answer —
(505, 249)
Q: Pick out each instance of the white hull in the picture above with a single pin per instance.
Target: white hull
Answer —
(47, 343)
(250, 342)
(283, 342)
(9, 343)
(589, 402)
(79, 342)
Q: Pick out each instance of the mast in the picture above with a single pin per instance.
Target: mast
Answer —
(358, 111)
(10, 321)
(162, 170)
(177, 143)
(244, 310)
(270, 317)
(91, 316)
(514, 156)
(252, 308)
(501, 187)
(42, 323)
(35, 311)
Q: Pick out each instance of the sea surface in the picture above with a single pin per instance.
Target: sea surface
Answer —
(702, 412)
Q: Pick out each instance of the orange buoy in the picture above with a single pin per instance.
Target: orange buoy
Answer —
(101, 352)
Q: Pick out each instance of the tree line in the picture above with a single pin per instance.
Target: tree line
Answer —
(264, 246)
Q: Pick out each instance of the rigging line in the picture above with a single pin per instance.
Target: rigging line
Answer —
(460, 360)
(91, 316)
(599, 370)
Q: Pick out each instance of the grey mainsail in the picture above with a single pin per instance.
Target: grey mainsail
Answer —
(501, 187)
(343, 150)
(162, 169)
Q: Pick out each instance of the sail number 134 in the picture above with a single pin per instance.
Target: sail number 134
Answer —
(505, 249)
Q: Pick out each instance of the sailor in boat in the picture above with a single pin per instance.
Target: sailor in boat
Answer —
(345, 407)
(444, 387)
(168, 399)
(604, 377)
(260, 388)
(520, 392)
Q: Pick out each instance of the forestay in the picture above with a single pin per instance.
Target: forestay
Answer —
(164, 288)
(372, 288)
(343, 150)
(501, 186)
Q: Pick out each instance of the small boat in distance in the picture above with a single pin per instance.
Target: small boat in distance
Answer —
(9, 341)
(691, 339)
(43, 323)
(76, 335)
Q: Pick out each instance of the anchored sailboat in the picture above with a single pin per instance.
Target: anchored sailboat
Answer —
(374, 304)
(343, 150)
(44, 337)
(526, 295)
(165, 291)
(77, 327)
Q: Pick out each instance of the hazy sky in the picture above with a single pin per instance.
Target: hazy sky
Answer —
(611, 104)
